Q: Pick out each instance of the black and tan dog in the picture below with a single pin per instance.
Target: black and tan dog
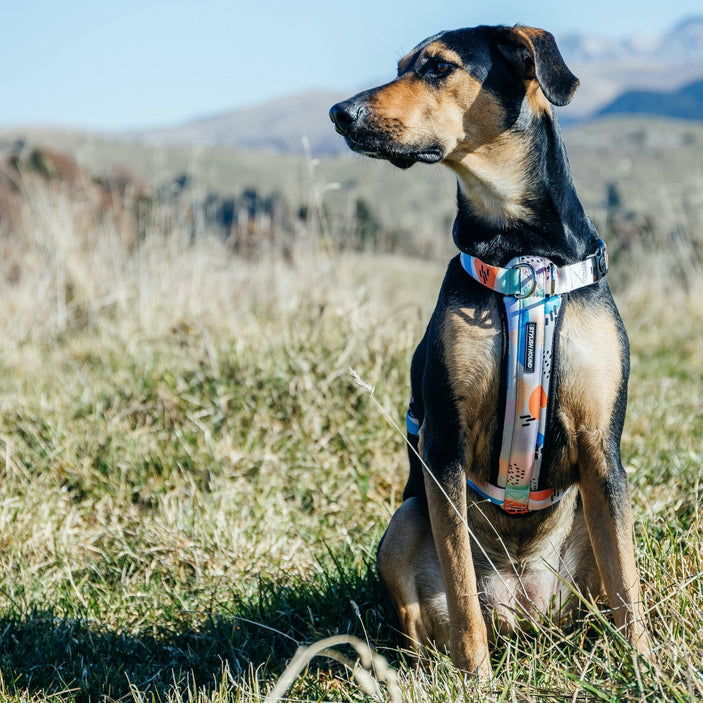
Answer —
(480, 101)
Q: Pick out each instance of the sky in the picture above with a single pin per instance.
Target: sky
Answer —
(110, 66)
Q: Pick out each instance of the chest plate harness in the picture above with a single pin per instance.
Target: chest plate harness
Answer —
(532, 288)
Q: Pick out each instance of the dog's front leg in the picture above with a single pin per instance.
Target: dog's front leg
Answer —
(468, 643)
(606, 502)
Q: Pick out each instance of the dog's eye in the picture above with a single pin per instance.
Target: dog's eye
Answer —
(436, 68)
(443, 67)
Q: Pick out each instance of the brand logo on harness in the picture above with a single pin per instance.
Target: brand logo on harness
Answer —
(531, 333)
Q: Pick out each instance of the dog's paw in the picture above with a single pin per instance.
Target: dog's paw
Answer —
(475, 661)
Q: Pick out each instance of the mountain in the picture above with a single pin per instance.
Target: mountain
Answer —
(682, 44)
(607, 68)
(685, 103)
(279, 125)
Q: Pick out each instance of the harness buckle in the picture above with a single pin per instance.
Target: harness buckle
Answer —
(513, 507)
(601, 260)
(533, 287)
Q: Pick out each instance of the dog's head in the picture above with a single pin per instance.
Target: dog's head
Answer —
(456, 92)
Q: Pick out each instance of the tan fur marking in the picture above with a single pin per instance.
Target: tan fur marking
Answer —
(468, 123)
(447, 115)
(407, 563)
(472, 348)
(423, 114)
(612, 541)
(536, 100)
(434, 50)
(437, 50)
(489, 160)
(468, 637)
(404, 63)
(591, 365)
(402, 102)
(494, 177)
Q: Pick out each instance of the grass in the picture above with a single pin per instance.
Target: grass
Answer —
(193, 486)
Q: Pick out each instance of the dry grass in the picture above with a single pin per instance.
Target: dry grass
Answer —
(655, 165)
(192, 485)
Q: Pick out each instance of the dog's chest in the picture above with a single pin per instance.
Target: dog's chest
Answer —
(473, 344)
(585, 388)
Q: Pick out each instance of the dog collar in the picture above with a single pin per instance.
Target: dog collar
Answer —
(521, 280)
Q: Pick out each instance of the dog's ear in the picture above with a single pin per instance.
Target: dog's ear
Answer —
(538, 57)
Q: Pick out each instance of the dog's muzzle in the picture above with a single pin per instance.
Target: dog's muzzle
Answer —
(346, 114)
(353, 119)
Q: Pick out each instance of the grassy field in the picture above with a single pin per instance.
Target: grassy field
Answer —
(193, 486)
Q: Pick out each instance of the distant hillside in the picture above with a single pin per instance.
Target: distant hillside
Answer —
(607, 69)
(638, 178)
(279, 126)
(685, 103)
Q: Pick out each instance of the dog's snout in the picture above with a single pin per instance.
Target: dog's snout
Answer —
(346, 113)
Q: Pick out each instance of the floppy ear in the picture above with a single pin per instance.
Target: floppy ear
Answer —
(539, 58)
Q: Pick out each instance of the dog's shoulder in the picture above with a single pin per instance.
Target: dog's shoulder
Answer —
(594, 361)
(465, 333)
(461, 368)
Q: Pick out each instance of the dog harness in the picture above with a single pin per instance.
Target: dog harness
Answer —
(532, 288)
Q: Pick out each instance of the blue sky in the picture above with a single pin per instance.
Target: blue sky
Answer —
(111, 66)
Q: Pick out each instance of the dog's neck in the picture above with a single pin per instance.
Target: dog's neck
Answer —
(516, 196)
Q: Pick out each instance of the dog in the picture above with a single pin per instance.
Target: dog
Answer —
(481, 544)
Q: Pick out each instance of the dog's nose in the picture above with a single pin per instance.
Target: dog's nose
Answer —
(344, 114)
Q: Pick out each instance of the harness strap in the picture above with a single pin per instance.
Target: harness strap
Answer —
(520, 278)
(537, 500)
(532, 289)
